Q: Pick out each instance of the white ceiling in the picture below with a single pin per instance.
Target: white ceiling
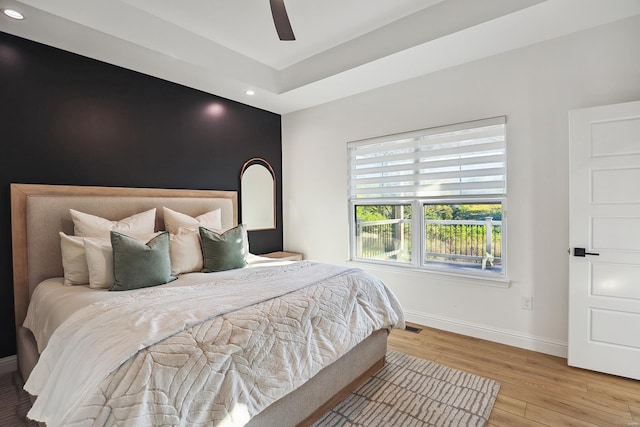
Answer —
(342, 47)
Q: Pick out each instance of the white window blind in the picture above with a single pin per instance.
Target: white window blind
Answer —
(466, 159)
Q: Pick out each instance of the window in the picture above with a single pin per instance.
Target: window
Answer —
(431, 199)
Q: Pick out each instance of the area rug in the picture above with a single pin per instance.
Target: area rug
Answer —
(414, 392)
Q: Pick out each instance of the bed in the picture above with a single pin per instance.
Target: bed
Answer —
(40, 212)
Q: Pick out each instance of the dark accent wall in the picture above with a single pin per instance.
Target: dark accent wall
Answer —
(67, 119)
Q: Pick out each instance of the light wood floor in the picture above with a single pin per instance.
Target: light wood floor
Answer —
(536, 389)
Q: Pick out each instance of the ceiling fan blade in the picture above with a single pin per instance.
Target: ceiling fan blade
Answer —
(281, 20)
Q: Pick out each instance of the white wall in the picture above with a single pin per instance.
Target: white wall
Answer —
(534, 87)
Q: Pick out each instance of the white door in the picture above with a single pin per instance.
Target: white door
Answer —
(604, 204)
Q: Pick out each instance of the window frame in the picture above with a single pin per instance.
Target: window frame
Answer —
(503, 237)
(418, 239)
(418, 261)
(353, 251)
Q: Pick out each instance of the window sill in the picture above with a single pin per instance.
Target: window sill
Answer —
(476, 279)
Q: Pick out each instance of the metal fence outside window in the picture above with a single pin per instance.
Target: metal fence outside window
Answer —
(450, 241)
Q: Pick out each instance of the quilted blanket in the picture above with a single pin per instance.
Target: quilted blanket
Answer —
(212, 354)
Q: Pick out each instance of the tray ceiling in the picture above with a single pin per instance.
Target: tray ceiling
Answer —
(342, 47)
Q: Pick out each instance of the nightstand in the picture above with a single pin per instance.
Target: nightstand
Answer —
(290, 256)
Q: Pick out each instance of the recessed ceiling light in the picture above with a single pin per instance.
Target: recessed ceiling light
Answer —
(13, 13)
(250, 92)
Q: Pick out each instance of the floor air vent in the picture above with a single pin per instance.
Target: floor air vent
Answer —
(412, 329)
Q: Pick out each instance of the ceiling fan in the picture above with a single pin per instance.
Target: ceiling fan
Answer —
(281, 20)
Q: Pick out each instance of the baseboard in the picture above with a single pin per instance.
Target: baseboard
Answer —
(515, 339)
(8, 364)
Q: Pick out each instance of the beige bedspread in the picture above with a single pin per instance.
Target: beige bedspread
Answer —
(221, 354)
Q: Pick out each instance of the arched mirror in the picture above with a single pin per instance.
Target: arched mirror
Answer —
(258, 195)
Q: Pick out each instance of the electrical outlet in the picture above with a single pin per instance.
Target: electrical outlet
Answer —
(526, 303)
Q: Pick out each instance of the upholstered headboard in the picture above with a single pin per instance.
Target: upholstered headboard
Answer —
(40, 212)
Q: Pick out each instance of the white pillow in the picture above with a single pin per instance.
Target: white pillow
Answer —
(185, 251)
(74, 261)
(100, 263)
(87, 225)
(99, 255)
(173, 220)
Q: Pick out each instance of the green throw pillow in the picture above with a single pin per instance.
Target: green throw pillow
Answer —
(224, 251)
(138, 265)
